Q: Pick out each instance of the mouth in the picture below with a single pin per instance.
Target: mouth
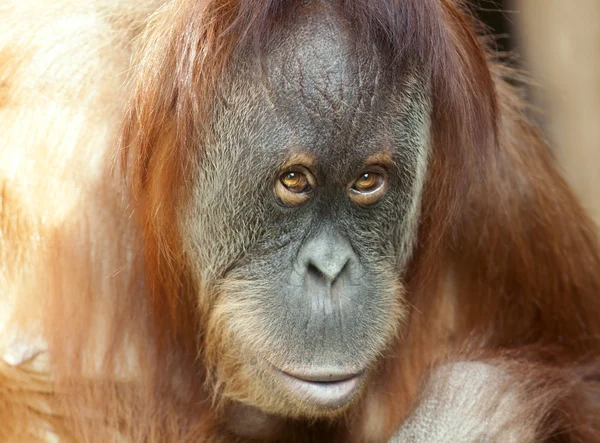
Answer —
(324, 390)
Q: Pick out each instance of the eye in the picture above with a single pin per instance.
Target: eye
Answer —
(295, 182)
(368, 182)
(369, 187)
(295, 186)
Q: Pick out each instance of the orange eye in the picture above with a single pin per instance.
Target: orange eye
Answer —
(368, 182)
(369, 188)
(295, 182)
(295, 186)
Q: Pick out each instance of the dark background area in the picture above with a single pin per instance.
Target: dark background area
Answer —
(496, 15)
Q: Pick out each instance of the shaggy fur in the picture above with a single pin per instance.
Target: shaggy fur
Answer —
(504, 276)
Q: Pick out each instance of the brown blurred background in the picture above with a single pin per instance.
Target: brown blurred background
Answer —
(558, 43)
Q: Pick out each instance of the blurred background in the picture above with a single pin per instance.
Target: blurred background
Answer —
(557, 42)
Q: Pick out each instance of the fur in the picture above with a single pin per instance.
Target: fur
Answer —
(505, 267)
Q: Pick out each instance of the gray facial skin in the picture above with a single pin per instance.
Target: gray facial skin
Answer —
(313, 290)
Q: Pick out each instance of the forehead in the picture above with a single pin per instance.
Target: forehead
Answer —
(324, 84)
(319, 73)
(322, 91)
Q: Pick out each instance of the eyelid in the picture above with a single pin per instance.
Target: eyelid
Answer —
(375, 169)
(378, 180)
(370, 197)
(289, 197)
(302, 178)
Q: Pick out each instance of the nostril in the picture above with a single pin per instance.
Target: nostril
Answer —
(315, 272)
(344, 268)
(327, 273)
(326, 258)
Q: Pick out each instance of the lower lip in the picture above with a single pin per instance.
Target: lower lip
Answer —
(323, 394)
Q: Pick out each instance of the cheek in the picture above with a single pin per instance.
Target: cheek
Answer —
(267, 315)
(386, 246)
(218, 228)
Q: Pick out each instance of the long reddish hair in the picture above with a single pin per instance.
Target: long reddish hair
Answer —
(496, 215)
(498, 222)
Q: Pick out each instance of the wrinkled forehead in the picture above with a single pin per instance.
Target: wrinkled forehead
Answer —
(319, 71)
(323, 91)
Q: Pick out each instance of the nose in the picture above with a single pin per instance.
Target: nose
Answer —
(326, 256)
